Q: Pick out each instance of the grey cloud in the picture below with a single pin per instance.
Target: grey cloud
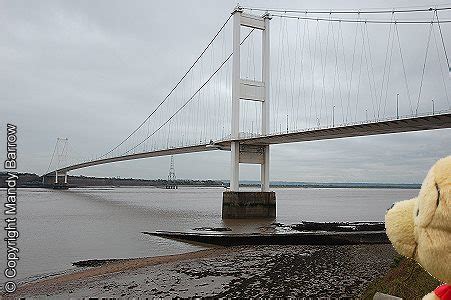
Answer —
(92, 71)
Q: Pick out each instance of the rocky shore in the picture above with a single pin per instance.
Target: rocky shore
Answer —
(304, 233)
(241, 271)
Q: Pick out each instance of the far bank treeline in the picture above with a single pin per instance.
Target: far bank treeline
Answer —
(33, 180)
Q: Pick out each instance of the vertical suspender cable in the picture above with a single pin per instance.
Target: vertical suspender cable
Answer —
(424, 66)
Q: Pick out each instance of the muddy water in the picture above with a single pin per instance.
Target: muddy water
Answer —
(60, 227)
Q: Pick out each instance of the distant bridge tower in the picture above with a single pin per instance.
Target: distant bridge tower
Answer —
(171, 183)
(59, 157)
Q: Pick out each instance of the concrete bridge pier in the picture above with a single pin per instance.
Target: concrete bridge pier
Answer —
(56, 181)
(248, 205)
(237, 204)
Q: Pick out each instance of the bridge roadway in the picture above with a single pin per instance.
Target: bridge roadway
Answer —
(437, 121)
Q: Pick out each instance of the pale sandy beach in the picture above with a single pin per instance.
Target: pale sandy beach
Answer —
(318, 271)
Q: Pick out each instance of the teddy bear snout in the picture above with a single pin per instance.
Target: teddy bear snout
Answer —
(399, 226)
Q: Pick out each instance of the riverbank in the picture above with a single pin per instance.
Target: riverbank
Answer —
(31, 180)
(406, 279)
(244, 271)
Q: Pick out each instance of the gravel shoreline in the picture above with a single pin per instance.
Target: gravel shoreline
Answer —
(243, 271)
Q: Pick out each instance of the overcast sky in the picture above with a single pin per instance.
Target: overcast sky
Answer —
(91, 71)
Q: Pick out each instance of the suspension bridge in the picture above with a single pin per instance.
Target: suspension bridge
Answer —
(272, 76)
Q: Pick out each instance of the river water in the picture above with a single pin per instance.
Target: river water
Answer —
(61, 227)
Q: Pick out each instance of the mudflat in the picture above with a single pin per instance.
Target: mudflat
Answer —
(251, 271)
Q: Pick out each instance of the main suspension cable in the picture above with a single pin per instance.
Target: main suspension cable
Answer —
(443, 41)
(53, 154)
(314, 11)
(191, 98)
(359, 20)
(172, 90)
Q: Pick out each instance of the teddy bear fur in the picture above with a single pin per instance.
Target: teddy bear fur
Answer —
(420, 228)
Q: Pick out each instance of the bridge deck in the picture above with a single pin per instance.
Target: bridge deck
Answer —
(372, 128)
(180, 150)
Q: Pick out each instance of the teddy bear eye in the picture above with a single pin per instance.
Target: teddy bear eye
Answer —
(438, 194)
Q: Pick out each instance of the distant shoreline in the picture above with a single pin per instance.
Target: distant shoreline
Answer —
(245, 186)
(30, 180)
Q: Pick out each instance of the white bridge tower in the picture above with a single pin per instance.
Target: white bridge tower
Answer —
(236, 204)
(249, 90)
